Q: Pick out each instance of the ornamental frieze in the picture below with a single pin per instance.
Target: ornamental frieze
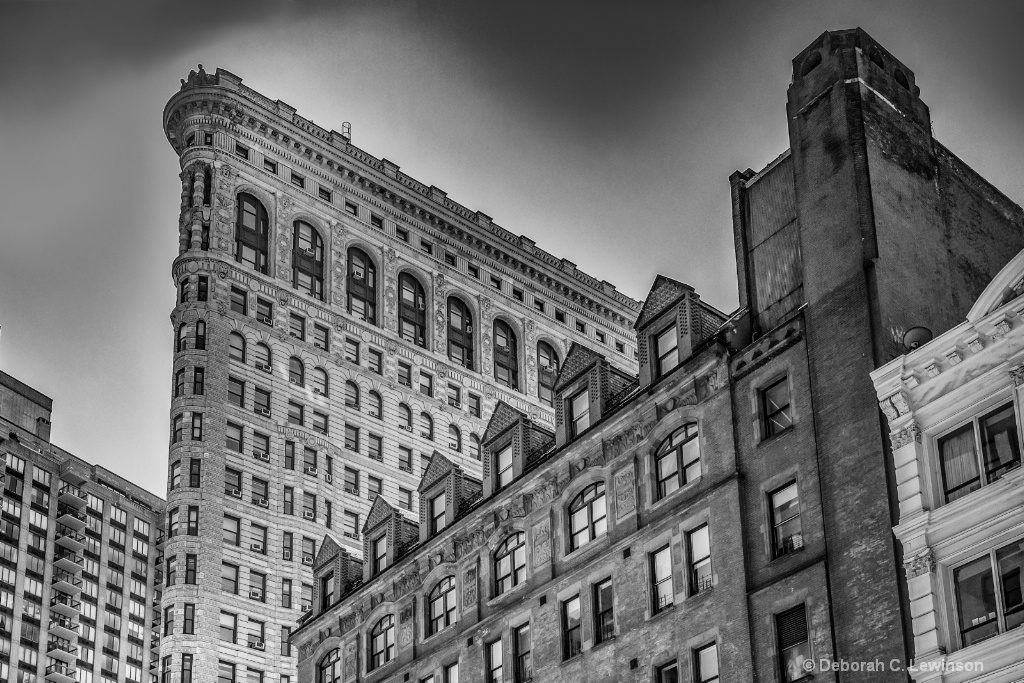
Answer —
(469, 587)
(1017, 375)
(909, 434)
(625, 492)
(625, 440)
(920, 565)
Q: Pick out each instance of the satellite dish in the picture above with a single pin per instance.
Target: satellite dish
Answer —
(916, 337)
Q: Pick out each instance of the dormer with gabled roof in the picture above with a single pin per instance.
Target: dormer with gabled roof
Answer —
(386, 535)
(672, 323)
(585, 383)
(335, 571)
(509, 442)
(441, 494)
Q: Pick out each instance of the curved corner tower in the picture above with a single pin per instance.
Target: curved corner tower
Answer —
(337, 322)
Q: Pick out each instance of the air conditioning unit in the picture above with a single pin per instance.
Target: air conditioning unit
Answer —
(256, 547)
(349, 534)
(407, 428)
(374, 413)
(328, 478)
(293, 334)
(261, 455)
(257, 645)
(234, 493)
(306, 608)
(255, 594)
(263, 502)
(265, 367)
(265, 319)
(287, 554)
(309, 514)
(263, 411)
(310, 470)
(321, 431)
(309, 252)
(319, 345)
(307, 559)
(294, 381)
(352, 491)
(317, 391)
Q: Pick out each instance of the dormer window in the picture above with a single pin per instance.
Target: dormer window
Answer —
(579, 411)
(666, 344)
(438, 508)
(379, 554)
(503, 468)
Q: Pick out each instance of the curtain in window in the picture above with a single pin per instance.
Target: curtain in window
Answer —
(959, 463)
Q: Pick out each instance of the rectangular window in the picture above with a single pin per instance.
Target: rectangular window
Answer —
(572, 632)
(194, 472)
(667, 673)
(270, 166)
(198, 381)
(604, 614)
(321, 337)
(236, 392)
(228, 627)
(698, 547)
(979, 453)
(264, 311)
(786, 529)
(351, 350)
(375, 447)
(405, 458)
(404, 374)
(188, 624)
(517, 294)
(239, 301)
(351, 207)
(298, 180)
(404, 499)
(319, 422)
(261, 402)
(705, 664)
(666, 346)
(376, 221)
(286, 593)
(286, 641)
(990, 593)
(297, 326)
(560, 316)
(426, 384)
(225, 672)
(289, 500)
(232, 482)
(374, 361)
(794, 646)
(662, 591)
(620, 347)
(233, 437)
(438, 509)
(494, 662)
(351, 481)
(350, 522)
(402, 234)
(473, 270)
(581, 327)
(352, 438)
(260, 491)
(241, 151)
(449, 258)
(496, 282)
(379, 554)
(374, 486)
(776, 414)
(454, 396)
(296, 413)
(289, 455)
(474, 405)
(503, 467)
(324, 194)
(191, 568)
(197, 426)
(579, 412)
(522, 654)
(427, 248)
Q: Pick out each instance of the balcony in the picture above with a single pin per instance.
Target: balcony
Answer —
(62, 650)
(65, 606)
(67, 560)
(73, 496)
(70, 539)
(64, 628)
(59, 672)
(66, 582)
(71, 517)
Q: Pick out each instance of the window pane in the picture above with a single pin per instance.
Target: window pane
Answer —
(999, 441)
(959, 463)
(1011, 563)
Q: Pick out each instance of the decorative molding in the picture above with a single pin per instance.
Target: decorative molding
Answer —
(626, 439)
(1017, 375)
(541, 543)
(920, 565)
(909, 434)
(625, 492)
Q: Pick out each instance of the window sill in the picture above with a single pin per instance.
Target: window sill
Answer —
(765, 440)
(583, 550)
(791, 553)
(678, 493)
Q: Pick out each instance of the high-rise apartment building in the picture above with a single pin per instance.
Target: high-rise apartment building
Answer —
(79, 584)
(337, 323)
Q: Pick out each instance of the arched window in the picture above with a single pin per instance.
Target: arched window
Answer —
(307, 260)
(460, 333)
(510, 563)
(426, 426)
(182, 344)
(454, 438)
(441, 612)
(547, 371)
(587, 516)
(330, 667)
(236, 347)
(374, 404)
(404, 417)
(382, 642)
(296, 372)
(320, 381)
(412, 310)
(361, 286)
(200, 335)
(251, 233)
(474, 446)
(351, 395)
(677, 461)
(261, 356)
(506, 363)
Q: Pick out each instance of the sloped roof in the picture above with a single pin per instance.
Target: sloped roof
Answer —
(438, 468)
(579, 359)
(328, 550)
(379, 511)
(664, 292)
(501, 418)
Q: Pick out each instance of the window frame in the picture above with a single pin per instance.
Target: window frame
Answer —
(579, 503)
(768, 413)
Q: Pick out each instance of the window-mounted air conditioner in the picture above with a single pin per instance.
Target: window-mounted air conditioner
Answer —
(309, 514)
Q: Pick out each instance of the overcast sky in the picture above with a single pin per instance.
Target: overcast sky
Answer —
(605, 131)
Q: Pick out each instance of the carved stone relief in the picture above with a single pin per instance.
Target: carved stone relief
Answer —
(922, 564)
(625, 492)
(909, 434)
(542, 543)
(469, 592)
